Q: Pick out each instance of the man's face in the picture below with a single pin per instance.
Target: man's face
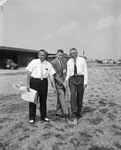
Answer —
(59, 55)
(73, 54)
(42, 56)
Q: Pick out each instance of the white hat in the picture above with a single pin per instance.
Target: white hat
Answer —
(30, 96)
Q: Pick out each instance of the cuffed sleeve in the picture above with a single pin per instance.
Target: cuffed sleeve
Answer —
(30, 66)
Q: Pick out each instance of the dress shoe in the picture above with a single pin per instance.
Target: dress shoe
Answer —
(79, 115)
(45, 120)
(31, 121)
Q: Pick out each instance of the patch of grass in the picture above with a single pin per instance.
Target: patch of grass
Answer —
(31, 148)
(26, 129)
(75, 142)
(91, 95)
(97, 95)
(81, 140)
(55, 147)
(116, 127)
(57, 143)
(21, 139)
(111, 116)
(3, 146)
(104, 111)
(14, 108)
(60, 129)
(102, 103)
(1, 127)
(111, 104)
(48, 126)
(87, 137)
(96, 121)
(118, 145)
(47, 135)
(99, 148)
(118, 133)
(58, 136)
(5, 119)
(100, 131)
(17, 126)
(88, 110)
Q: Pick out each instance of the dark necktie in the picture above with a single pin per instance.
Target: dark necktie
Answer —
(62, 67)
(75, 69)
(61, 63)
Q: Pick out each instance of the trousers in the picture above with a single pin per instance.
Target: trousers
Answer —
(62, 108)
(77, 92)
(41, 86)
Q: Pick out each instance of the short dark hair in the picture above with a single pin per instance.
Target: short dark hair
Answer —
(60, 51)
(73, 49)
(42, 50)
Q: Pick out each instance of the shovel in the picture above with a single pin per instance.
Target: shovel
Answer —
(71, 121)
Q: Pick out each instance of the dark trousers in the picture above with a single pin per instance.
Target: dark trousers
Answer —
(77, 92)
(41, 86)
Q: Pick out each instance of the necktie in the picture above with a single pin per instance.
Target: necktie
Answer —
(75, 68)
(61, 63)
(41, 71)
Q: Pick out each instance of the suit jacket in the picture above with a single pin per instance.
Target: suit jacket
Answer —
(60, 69)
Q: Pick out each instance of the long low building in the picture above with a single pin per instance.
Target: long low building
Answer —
(19, 55)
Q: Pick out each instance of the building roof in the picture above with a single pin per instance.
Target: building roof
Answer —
(17, 49)
(24, 50)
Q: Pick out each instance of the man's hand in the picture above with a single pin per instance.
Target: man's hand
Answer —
(65, 84)
(85, 85)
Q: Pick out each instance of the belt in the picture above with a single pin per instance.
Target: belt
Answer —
(38, 78)
(78, 76)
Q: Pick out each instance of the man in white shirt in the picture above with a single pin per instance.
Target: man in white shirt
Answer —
(77, 78)
(38, 72)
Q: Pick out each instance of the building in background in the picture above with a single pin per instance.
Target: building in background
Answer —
(21, 56)
(18, 55)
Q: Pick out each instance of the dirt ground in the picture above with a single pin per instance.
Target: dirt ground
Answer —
(98, 129)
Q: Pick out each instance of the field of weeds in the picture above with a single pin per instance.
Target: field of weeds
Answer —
(98, 129)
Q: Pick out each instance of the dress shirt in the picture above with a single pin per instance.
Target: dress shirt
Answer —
(81, 68)
(35, 68)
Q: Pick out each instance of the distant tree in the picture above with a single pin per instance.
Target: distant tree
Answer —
(99, 61)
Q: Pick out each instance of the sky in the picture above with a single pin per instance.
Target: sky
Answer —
(92, 26)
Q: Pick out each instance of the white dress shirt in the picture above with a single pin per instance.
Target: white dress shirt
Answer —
(35, 68)
(81, 68)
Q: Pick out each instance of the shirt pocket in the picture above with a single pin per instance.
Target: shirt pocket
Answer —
(46, 71)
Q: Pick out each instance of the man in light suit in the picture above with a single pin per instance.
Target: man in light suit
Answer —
(59, 64)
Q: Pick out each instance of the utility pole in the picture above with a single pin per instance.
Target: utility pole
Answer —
(2, 3)
(83, 53)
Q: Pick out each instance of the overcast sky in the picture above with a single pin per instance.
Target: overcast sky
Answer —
(93, 26)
